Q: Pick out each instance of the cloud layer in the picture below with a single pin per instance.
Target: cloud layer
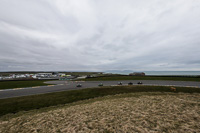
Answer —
(94, 35)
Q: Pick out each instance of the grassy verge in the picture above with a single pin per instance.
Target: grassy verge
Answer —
(111, 78)
(20, 84)
(14, 105)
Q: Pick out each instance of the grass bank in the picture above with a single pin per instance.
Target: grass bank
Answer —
(173, 78)
(21, 84)
(25, 103)
(155, 112)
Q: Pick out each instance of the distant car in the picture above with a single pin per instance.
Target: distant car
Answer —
(101, 84)
(119, 83)
(130, 83)
(78, 85)
(139, 83)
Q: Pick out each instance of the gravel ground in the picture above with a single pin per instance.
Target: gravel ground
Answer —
(157, 112)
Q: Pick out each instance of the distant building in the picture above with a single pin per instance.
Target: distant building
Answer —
(44, 75)
(67, 78)
(137, 74)
(34, 76)
(55, 73)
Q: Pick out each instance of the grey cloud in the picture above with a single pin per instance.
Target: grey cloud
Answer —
(99, 35)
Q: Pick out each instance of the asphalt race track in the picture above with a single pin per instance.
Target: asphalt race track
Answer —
(71, 85)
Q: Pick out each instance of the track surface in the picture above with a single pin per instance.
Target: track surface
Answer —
(71, 85)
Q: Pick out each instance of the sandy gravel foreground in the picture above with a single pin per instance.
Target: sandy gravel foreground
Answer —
(147, 113)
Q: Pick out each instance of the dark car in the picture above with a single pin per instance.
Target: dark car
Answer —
(101, 84)
(119, 83)
(139, 83)
(78, 85)
(130, 83)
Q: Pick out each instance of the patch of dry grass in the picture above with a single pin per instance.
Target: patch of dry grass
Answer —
(156, 112)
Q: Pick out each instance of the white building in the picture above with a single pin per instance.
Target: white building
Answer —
(44, 74)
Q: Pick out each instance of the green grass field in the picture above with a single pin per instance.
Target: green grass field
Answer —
(25, 103)
(21, 84)
(110, 78)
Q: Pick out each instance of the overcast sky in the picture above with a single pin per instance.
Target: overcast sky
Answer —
(99, 35)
